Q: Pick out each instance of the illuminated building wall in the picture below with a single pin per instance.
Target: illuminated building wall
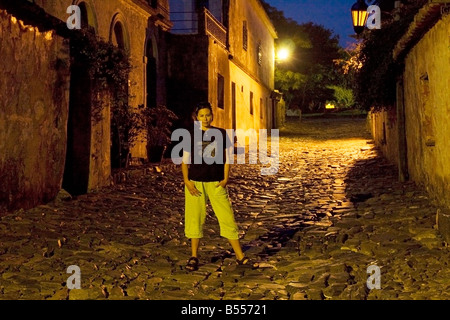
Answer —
(227, 58)
(423, 93)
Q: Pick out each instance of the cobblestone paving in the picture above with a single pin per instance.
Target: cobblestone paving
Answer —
(334, 209)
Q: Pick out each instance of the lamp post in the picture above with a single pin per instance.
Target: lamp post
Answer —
(359, 16)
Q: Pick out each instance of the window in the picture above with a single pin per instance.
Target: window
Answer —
(259, 54)
(245, 36)
(261, 108)
(220, 91)
(251, 103)
(154, 3)
(119, 35)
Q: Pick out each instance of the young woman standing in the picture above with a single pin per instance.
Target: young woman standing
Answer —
(207, 181)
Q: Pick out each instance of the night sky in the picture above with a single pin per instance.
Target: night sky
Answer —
(332, 14)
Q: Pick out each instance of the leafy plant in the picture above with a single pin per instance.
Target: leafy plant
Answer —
(343, 97)
(108, 68)
(159, 121)
(374, 68)
(107, 65)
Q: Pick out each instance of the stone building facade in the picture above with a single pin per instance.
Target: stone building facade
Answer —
(223, 51)
(33, 112)
(45, 104)
(416, 134)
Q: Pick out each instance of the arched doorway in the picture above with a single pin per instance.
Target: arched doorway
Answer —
(77, 165)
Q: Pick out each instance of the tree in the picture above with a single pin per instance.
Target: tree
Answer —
(289, 83)
(306, 77)
(372, 64)
(343, 97)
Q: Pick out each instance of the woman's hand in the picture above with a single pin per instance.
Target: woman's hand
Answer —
(192, 189)
(222, 184)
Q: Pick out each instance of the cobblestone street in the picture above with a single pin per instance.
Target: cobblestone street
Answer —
(334, 208)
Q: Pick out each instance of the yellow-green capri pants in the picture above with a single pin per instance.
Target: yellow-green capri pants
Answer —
(195, 211)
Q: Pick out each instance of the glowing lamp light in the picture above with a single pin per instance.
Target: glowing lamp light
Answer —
(359, 16)
(283, 54)
(330, 106)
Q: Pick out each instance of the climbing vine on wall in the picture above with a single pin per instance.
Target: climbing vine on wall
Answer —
(109, 68)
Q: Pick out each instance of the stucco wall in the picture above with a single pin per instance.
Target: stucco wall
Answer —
(244, 86)
(384, 129)
(260, 31)
(33, 113)
(250, 72)
(219, 64)
(427, 95)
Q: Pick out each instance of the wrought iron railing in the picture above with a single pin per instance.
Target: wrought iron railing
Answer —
(202, 22)
(214, 28)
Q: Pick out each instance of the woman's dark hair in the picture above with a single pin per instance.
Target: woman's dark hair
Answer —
(203, 105)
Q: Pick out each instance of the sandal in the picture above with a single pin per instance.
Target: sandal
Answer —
(192, 264)
(246, 262)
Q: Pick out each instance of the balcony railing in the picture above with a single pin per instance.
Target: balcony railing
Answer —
(209, 25)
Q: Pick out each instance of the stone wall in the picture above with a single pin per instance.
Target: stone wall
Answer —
(48, 139)
(34, 110)
(384, 129)
(133, 19)
(427, 95)
(281, 114)
(140, 24)
(426, 84)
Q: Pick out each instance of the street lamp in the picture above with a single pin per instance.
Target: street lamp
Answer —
(283, 54)
(359, 16)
